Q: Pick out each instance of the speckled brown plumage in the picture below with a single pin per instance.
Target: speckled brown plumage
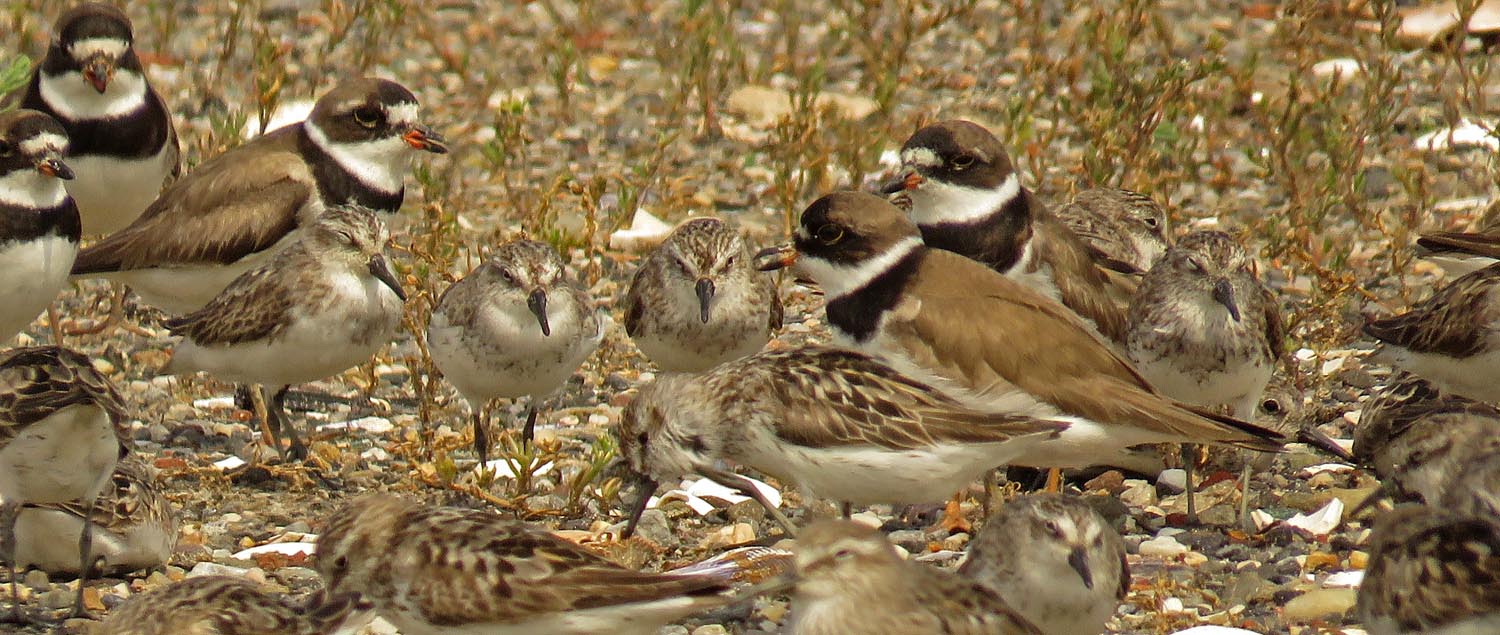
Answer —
(1430, 570)
(671, 323)
(1055, 559)
(225, 605)
(1418, 439)
(432, 570)
(1126, 229)
(850, 580)
(36, 382)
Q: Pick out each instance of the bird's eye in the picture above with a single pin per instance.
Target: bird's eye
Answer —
(367, 116)
(843, 554)
(729, 264)
(340, 563)
(509, 277)
(346, 237)
(5, 149)
(1196, 265)
(830, 234)
(1271, 406)
(1151, 222)
(963, 161)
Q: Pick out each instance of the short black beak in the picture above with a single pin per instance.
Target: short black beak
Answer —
(1224, 294)
(98, 72)
(1078, 558)
(894, 185)
(778, 257)
(423, 138)
(705, 291)
(537, 302)
(645, 486)
(383, 273)
(53, 166)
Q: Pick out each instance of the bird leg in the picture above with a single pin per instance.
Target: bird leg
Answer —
(1189, 458)
(8, 512)
(1245, 522)
(1054, 480)
(297, 449)
(528, 432)
(267, 429)
(85, 555)
(730, 479)
(481, 436)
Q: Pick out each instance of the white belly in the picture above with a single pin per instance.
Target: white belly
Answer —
(182, 290)
(31, 275)
(869, 475)
(505, 355)
(48, 540)
(67, 456)
(1473, 377)
(111, 193)
(321, 343)
(630, 619)
(1237, 386)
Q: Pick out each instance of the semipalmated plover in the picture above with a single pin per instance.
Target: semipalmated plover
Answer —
(230, 214)
(123, 144)
(990, 341)
(39, 228)
(961, 189)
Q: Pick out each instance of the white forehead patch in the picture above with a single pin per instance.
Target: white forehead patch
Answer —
(111, 47)
(920, 157)
(402, 115)
(379, 164)
(839, 280)
(935, 202)
(72, 97)
(44, 142)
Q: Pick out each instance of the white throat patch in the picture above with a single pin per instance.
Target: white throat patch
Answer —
(840, 280)
(30, 188)
(935, 202)
(379, 164)
(72, 97)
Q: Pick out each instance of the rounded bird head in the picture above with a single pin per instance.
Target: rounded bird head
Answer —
(526, 273)
(703, 256)
(836, 556)
(353, 538)
(354, 237)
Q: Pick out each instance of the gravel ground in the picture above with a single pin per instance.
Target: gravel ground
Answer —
(566, 117)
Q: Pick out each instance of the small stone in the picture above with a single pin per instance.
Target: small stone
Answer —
(1162, 547)
(1112, 481)
(955, 542)
(710, 629)
(1173, 480)
(1358, 559)
(1318, 603)
(36, 579)
(1138, 493)
(59, 598)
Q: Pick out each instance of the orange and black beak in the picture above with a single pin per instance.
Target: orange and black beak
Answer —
(908, 181)
(98, 71)
(424, 138)
(537, 302)
(53, 166)
(778, 257)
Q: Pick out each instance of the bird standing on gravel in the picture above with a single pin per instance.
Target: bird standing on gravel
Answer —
(322, 305)
(515, 326)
